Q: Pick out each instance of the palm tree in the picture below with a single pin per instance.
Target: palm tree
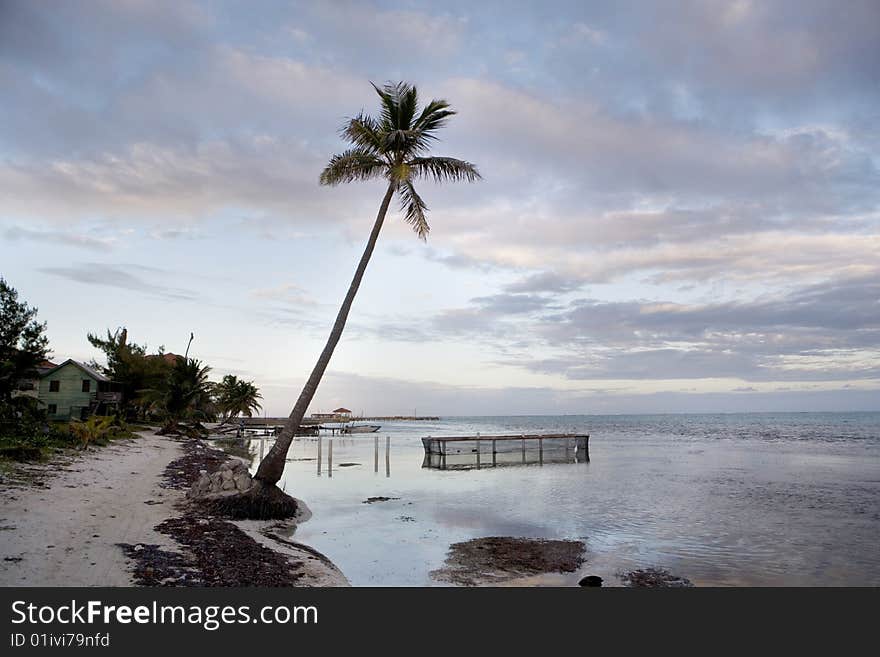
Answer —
(237, 397)
(393, 147)
(185, 395)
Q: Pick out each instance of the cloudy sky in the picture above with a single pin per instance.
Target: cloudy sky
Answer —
(680, 208)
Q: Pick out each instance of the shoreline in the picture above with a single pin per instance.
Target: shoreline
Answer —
(117, 516)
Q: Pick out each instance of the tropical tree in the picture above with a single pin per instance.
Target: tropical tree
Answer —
(129, 365)
(23, 346)
(235, 397)
(392, 147)
(23, 343)
(186, 395)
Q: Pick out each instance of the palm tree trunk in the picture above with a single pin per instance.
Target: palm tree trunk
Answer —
(272, 466)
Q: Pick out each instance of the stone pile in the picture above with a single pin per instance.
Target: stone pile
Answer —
(232, 478)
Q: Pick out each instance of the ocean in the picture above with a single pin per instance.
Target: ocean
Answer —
(787, 499)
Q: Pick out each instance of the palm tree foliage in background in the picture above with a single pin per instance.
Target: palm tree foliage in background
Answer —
(393, 147)
(234, 397)
(186, 396)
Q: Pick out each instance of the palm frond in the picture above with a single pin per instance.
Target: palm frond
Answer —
(407, 104)
(414, 209)
(364, 132)
(436, 105)
(394, 144)
(404, 142)
(433, 117)
(388, 110)
(444, 169)
(353, 164)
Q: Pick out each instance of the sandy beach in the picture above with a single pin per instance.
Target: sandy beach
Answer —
(66, 526)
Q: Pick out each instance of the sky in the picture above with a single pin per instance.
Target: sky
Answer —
(679, 211)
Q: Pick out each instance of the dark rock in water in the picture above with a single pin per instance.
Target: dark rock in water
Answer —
(494, 559)
(380, 498)
(591, 580)
(654, 578)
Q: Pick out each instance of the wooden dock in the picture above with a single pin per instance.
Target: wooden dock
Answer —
(461, 452)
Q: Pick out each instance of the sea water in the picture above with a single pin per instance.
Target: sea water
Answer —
(731, 499)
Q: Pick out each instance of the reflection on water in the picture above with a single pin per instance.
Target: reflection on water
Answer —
(782, 499)
(346, 443)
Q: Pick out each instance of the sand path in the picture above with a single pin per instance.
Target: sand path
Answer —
(66, 534)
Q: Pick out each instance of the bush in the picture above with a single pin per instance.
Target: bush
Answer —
(21, 452)
(92, 430)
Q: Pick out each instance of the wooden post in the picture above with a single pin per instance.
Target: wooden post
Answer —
(319, 455)
(376, 454)
(541, 451)
(387, 456)
(494, 452)
(523, 448)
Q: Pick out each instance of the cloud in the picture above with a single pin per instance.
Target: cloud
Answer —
(683, 189)
(127, 277)
(512, 304)
(289, 294)
(67, 238)
(388, 395)
(547, 281)
(828, 331)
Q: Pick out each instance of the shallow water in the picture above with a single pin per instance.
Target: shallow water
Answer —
(758, 499)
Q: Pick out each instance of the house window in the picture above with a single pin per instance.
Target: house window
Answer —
(87, 385)
(53, 408)
(54, 386)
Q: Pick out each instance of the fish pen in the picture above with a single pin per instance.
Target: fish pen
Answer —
(475, 452)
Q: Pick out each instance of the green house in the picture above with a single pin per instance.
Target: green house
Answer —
(75, 391)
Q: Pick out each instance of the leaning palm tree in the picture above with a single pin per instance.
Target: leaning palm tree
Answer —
(392, 147)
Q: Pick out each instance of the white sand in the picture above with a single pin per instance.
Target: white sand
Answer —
(66, 535)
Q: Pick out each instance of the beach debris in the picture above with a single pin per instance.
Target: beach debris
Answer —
(494, 559)
(406, 519)
(217, 554)
(380, 498)
(183, 472)
(235, 495)
(591, 580)
(654, 578)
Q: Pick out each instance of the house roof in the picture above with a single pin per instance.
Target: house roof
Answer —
(97, 376)
(168, 358)
(341, 410)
